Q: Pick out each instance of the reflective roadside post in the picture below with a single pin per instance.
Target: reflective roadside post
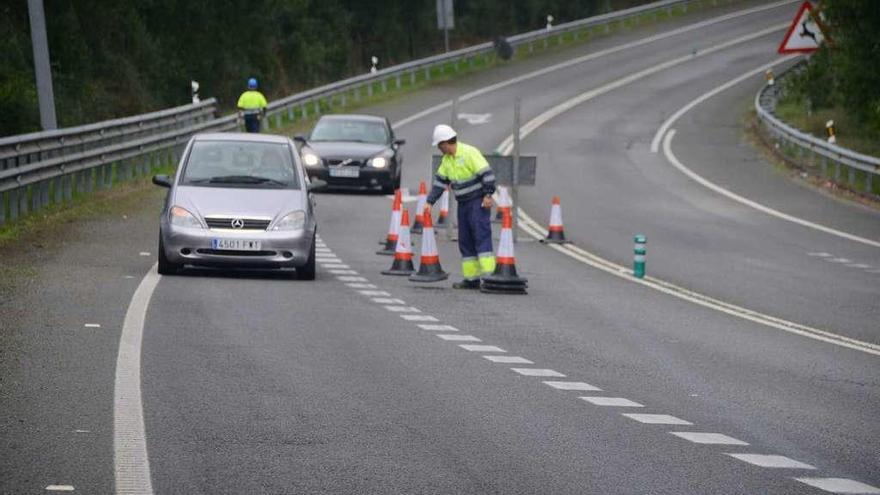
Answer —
(639, 257)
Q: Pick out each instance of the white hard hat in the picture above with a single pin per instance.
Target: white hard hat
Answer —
(442, 133)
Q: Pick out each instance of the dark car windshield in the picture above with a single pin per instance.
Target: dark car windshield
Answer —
(350, 130)
(240, 164)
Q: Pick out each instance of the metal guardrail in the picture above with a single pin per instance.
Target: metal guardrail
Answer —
(48, 167)
(813, 152)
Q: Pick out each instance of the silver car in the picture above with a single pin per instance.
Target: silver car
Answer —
(238, 200)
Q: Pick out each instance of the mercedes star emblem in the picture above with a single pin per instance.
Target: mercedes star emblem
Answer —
(237, 223)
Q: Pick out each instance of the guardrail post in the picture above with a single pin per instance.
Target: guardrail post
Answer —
(370, 90)
(398, 81)
(384, 85)
(68, 187)
(851, 176)
(13, 204)
(290, 114)
(427, 73)
(44, 193)
(869, 186)
(412, 78)
(23, 201)
(837, 171)
(2, 208)
(357, 94)
(305, 111)
(317, 107)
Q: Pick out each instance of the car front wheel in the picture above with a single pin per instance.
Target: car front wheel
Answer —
(165, 267)
(307, 271)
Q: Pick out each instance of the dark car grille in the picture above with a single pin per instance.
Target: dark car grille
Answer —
(226, 223)
(336, 161)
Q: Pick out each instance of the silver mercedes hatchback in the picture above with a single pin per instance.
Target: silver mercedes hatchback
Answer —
(238, 200)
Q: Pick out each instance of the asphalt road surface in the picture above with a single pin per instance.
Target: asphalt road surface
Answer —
(749, 363)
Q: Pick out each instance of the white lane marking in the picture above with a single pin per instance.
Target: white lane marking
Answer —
(92, 325)
(580, 99)
(509, 359)
(838, 260)
(839, 485)
(356, 285)
(402, 309)
(771, 461)
(538, 372)
(347, 278)
(568, 63)
(82, 431)
(657, 419)
(130, 460)
(387, 300)
(481, 348)
(707, 438)
(128, 276)
(873, 271)
(573, 386)
(328, 260)
(418, 318)
(655, 143)
(475, 118)
(343, 272)
(671, 158)
(858, 265)
(374, 292)
(438, 328)
(611, 401)
(60, 488)
(531, 227)
(454, 337)
(340, 266)
(144, 253)
(820, 255)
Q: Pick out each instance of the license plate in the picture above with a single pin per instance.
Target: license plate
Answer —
(235, 245)
(349, 172)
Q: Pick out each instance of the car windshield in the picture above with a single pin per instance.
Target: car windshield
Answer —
(240, 164)
(350, 130)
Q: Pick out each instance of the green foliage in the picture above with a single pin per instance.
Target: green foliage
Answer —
(123, 57)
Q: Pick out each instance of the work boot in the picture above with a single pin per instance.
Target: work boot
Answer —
(467, 284)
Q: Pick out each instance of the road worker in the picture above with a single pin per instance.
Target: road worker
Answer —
(252, 104)
(473, 182)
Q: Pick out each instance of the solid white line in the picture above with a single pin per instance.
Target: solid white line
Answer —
(454, 337)
(657, 419)
(667, 150)
(611, 401)
(839, 485)
(538, 372)
(771, 461)
(438, 328)
(131, 463)
(707, 438)
(509, 359)
(481, 348)
(573, 386)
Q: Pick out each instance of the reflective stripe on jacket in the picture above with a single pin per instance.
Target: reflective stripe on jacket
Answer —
(467, 172)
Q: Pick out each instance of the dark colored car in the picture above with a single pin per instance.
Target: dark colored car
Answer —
(353, 152)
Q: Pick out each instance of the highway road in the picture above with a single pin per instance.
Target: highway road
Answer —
(749, 362)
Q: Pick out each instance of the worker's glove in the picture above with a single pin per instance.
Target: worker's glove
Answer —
(487, 202)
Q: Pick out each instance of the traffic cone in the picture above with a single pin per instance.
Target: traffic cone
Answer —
(391, 239)
(420, 208)
(429, 263)
(555, 234)
(504, 203)
(402, 264)
(444, 208)
(504, 280)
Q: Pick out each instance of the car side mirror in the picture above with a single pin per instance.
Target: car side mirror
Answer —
(299, 138)
(162, 180)
(317, 185)
(399, 142)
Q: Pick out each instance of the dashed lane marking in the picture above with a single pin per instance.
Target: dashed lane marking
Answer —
(342, 272)
(611, 401)
(838, 260)
(657, 419)
(481, 348)
(820, 255)
(360, 285)
(402, 309)
(573, 386)
(375, 292)
(509, 359)
(538, 372)
(340, 266)
(144, 253)
(839, 485)
(771, 461)
(387, 300)
(345, 278)
(438, 328)
(60, 488)
(454, 337)
(858, 265)
(418, 318)
(707, 438)
(92, 325)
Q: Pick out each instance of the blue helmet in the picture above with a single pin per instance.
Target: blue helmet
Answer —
(252, 83)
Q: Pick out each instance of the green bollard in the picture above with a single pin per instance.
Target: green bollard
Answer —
(639, 258)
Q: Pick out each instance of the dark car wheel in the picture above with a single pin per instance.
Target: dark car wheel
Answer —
(307, 271)
(165, 267)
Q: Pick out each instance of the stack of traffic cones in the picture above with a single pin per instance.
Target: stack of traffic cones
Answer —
(505, 280)
(444, 208)
(402, 264)
(420, 208)
(391, 239)
(504, 203)
(555, 232)
(429, 264)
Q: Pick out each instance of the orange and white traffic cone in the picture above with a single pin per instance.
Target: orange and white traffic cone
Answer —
(391, 239)
(420, 208)
(504, 280)
(403, 255)
(504, 203)
(555, 234)
(444, 208)
(429, 264)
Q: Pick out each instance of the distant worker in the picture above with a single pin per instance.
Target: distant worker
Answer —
(473, 182)
(252, 104)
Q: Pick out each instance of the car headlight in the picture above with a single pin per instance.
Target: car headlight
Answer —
(295, 220)
(311, 159)
(180, 217)
(379, 162)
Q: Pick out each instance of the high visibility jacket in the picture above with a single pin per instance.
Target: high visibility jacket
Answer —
(467, 171)
(252, 101)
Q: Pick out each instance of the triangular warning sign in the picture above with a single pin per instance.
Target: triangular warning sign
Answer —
(805, 34)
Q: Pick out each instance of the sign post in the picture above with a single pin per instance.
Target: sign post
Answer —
(445, 20)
